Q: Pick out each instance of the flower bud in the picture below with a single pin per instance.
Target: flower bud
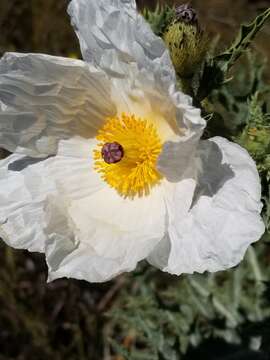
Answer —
(187, 43)
(186, 14)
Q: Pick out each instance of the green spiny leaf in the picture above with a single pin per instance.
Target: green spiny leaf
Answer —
(255, 136)
(242, 41)
(213, 72)
(160, 18)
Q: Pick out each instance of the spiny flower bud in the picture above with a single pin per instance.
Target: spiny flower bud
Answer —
(187, 43)
(186, 14)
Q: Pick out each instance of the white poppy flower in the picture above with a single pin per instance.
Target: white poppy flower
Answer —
(108, 167)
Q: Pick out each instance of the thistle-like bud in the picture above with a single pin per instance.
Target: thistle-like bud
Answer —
(186, 14)
(187, 43)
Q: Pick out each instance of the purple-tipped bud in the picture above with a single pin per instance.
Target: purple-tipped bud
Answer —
(186, 14)
(112, 152)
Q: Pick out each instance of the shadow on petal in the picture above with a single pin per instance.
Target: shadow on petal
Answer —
(21, 164)
(214, 173)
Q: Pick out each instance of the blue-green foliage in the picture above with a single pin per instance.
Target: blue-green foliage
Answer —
(166, 316)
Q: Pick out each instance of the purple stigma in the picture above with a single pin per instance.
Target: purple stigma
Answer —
(112, 152)
(186, 14)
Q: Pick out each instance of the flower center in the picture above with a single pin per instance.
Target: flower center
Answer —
(127, 155)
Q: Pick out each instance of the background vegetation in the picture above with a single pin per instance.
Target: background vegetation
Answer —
(147, 314)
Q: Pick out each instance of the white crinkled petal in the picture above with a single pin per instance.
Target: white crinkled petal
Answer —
(24, 186)
(72, 169)
(115, 37)
(224, 219)
(93, 233)
(113, 33)
(178, 197)
(67, 257)
(46, 98)
(179, 156)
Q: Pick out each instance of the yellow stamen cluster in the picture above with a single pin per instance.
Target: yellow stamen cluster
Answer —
(136, 173)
